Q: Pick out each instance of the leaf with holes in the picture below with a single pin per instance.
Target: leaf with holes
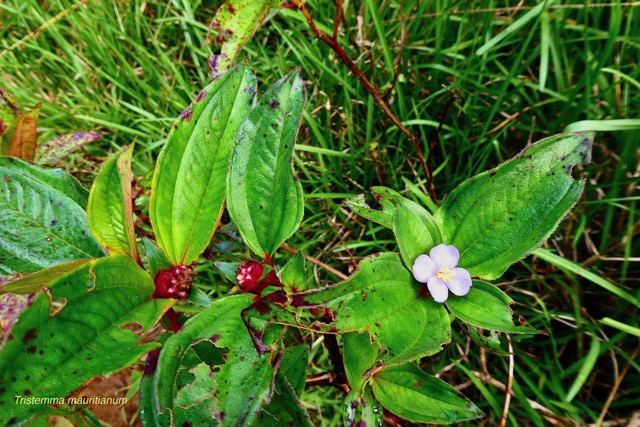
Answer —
(188, 189)
(498, 217)
(46, 209)
(226, 392)
(92, 304)
(263, 193)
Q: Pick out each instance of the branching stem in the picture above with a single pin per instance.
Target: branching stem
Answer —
(332, 42)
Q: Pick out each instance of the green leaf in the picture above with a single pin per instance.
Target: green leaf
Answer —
(411, 394)
(264, 195)
(496, 218)
(362, 410)
(266, 310)
(8, 113)
(359, 354)
(198, 297)
(56, 149)
(237, 387)
(358, 205)
(188, 188)
(491, 342)
(294, 366)
(110, 208)
(285, 407)
(155, 258)
(46, 209)
(293, 275)
(383, 298)
(25, 135)
(57, 346)
(487, 307)
(235, 23)
(33, 282)
(229, 269)
(415, 229)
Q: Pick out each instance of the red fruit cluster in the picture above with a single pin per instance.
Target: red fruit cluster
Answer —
(174, 283)
(250, 277)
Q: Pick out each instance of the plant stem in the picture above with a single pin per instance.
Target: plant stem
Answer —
(332, 42)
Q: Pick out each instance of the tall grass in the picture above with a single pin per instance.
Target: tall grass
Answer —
(498, 76)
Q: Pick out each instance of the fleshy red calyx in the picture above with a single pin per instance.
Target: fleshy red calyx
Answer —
(174, 283)
(250, 277)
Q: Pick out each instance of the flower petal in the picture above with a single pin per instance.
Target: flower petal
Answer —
(444, 255)
(438, 289)
(460, 282)
(424, 268)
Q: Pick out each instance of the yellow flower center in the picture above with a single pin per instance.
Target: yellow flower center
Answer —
(445, 273)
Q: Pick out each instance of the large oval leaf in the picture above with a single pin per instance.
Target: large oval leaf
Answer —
(487, 307)
(229, 393)
(263, 193)
(110, 209)
(410, 393)
(42, 218)
(49, 356)
(499, 216)
(382, 298)
(188, 189)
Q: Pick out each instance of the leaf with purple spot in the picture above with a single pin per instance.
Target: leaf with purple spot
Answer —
(56, 149)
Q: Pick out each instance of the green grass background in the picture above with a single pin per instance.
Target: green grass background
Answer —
(512, 76)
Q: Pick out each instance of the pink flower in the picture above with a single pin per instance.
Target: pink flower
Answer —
(438, 270)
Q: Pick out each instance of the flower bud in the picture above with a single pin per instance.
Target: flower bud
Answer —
(174, 283)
